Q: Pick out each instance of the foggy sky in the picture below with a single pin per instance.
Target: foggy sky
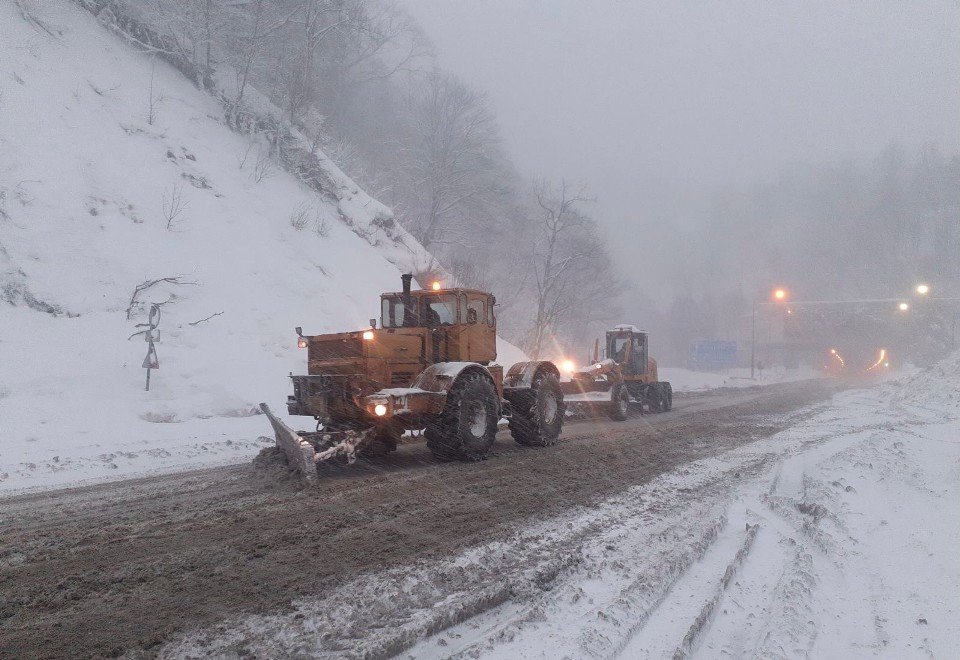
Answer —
(652, 102)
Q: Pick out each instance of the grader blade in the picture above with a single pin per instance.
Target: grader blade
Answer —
(300, 454)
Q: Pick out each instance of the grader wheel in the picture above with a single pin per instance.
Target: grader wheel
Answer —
(619, 403)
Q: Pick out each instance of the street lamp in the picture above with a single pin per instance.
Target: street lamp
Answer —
(780, 295)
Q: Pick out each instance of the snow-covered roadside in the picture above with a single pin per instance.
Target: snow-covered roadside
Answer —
(687, 380)
(836, 538)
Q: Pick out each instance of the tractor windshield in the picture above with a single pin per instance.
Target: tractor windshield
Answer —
(618, 348)
(439, 309)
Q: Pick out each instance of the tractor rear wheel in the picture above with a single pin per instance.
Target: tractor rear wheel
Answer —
(619, 402)
(667, 390)
(537, 417)
(467, 427)
(654, 397)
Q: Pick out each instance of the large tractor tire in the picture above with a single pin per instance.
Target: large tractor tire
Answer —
(619, 402)
(654, 397)
(667, 399)
(537, 418)
(467, 427)
(660, 396)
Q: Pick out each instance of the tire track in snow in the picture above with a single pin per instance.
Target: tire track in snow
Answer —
(708, 610)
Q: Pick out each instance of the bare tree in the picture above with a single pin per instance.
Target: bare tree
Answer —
(450, 158)
(569, 266)
(154, 99)
(173, 205)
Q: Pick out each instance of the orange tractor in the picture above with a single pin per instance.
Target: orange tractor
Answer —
(430, 366)
(623, 373)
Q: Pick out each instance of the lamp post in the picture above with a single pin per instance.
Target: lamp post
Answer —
(779, 295)
(753, 339)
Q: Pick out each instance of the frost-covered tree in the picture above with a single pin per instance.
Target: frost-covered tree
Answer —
(572, 277)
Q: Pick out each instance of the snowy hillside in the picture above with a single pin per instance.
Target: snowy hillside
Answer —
(116, 171)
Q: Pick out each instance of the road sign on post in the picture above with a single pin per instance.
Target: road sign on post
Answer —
(151, 334)
(714, 354)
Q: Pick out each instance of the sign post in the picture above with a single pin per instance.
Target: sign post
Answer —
(150, 335)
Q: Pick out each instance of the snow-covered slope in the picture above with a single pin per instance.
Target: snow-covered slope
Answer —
(88, 182)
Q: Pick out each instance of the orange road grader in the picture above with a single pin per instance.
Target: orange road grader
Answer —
(430, 366)
(625, 372)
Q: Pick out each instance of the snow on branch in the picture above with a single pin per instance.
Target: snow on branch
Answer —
(136, 303)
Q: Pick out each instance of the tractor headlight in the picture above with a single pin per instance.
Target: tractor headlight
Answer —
(367, 335)
(302, 342)
(568, 366)
(380, 410)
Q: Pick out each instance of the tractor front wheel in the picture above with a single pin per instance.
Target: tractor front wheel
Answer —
(467, 427)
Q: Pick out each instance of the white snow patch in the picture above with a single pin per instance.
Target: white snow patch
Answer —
(686, 380)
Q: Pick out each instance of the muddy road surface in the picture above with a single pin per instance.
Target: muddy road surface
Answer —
(121, 567)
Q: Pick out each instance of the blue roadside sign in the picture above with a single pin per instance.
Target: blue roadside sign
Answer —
(715, 354)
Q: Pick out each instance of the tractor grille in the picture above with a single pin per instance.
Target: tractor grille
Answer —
(335, 349)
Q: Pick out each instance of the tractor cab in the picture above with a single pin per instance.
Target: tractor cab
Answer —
(457, 325)
(627, 346)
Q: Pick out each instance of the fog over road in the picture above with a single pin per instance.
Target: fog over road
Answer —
(122, 567)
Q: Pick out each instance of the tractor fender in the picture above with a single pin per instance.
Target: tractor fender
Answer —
(523, 374)
(441, 376)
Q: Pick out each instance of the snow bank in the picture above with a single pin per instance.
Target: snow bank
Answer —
(936, 386)
(685, 380)
(99, 194)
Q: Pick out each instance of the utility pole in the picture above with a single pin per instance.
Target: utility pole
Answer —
(753, 339)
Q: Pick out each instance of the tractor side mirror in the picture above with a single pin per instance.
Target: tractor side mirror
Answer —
(373, 323)
(299, 331)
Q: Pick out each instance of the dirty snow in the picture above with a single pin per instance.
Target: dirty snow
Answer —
(835, 538)
(85, 179)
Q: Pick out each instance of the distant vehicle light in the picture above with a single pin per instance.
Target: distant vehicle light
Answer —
(380, 410)
(568, 366)
(886, 364)
(435, 286)
(903, 306)
(302, 342)
(923, 289)
(368, 335)
(780, 294)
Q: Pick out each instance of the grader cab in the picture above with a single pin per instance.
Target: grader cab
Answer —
(430, 365)
(624, 372)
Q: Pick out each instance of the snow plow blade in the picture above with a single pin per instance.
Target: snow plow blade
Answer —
(300, 454)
